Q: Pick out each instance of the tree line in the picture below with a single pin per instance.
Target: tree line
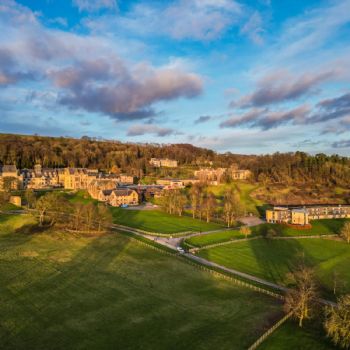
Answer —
(53, 208)
(203, 204)
(286, 168)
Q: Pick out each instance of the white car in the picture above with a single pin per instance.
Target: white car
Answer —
(180, 250)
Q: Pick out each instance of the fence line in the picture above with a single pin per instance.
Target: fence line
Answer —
(269, 331)
(177, 234)
(195, 249)
(215, 273)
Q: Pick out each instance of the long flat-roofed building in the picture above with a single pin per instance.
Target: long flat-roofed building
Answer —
(163, 162)
(304, 214)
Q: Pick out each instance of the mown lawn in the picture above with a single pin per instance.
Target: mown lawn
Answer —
(158, 221)
(12, 223)
(9, 207)
(64, 292)
(80, 197)
(213, 238)
(319, 227)
(245, 190)
(274, 259)
(291, 337)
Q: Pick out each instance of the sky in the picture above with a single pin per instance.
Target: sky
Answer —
(249, 77)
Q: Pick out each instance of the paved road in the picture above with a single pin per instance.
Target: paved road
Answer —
(173, 244)
(236, 272)
(251, 220)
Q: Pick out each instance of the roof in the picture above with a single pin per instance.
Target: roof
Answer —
(107, 192)
(292, 207)
(123, 192)
(299, 210)
(9, 168)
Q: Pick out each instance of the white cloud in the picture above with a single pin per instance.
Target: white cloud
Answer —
(95, 5)
(143, 129)
(87, 70)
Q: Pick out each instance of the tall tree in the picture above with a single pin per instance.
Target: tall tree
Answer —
(301, 299)
(209, 205)
(53, 206)
(246, 231)
(30, 198)
(345, 232)
(90, 216)
(78, 216)
(195, 193)
(104, 217)
(233, 207)
(337, 322)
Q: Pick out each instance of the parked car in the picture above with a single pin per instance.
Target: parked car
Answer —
(180, 250)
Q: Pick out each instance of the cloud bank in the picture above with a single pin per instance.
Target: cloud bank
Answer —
(86, 70)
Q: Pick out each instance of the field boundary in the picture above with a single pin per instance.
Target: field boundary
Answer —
(202, 267)
(196, 249)
(157, 234)
(269, 331)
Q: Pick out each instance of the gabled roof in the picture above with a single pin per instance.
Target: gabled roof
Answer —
(123, 192)
(9, 169)
(107, 192)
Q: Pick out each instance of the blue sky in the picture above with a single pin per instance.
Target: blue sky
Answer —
(241, 76)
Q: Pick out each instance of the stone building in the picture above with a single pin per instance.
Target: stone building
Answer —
(97, 185)
(13, 175)
(78, 178)
(240, 174)
(123, 196)
(163, 162)
(41, 178)
(304, 214)
(210, 174)
(16, 200)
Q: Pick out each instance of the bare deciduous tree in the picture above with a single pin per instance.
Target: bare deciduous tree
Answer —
(301, 299)
(209, 205)
(232, 207)
(174, 201)
(337, 323)
(245, 230)
(345, 232)
(195, 193)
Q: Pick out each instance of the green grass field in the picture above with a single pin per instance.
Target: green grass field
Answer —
(158, 221)
(291, 337)
(9, 206)
(245, 190)
(64, 292)
(213, 238)
(274, 259)
(12, 223)
(80, 197)
(319, 227)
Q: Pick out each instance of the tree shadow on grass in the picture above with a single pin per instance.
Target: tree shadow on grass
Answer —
(4, 218)
(277, 258)
(262, 209)
(333, 225)
(67, 291)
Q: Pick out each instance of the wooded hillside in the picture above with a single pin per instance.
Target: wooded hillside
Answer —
(287, 168)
